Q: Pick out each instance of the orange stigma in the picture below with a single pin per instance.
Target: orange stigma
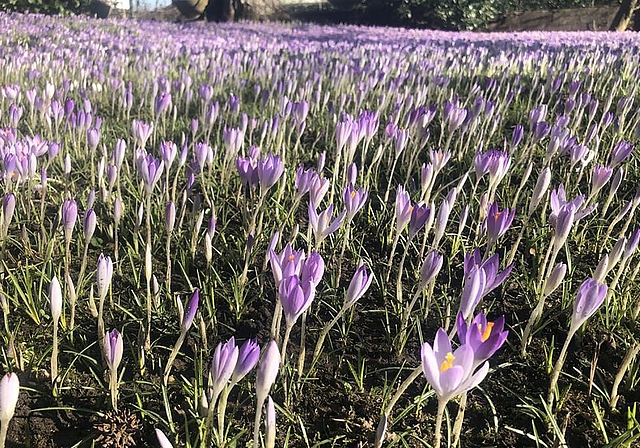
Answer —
(447, 363)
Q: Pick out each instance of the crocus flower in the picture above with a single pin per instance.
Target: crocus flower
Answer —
(269, 170)
(8, 208)
(359, 284)
(270, 424)
(285, 264)
(472, 292)
(555, 278)
(590, 296)
(620, 152)
(89, 224)
(296, 297)
(223, 364)
(246, 167)
(321, 224)
(162, 439)
(430, 268)
(113, 348)
(303, 181)
(69, 217)
(150, 169)
(354, 200)
(484, 337)
(55, 298)
(104, 275)
(490, 268)
(267, 371)
(498, 222)
(248, 356)
(420, 214)
(312, 268)
(318, 188)
(190, 311)
(601, 175)
(170, 217)
(403, 209)
(9, 391)
(450, 373)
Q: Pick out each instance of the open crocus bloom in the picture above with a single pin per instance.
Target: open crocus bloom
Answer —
(450, 373)
(484, 337)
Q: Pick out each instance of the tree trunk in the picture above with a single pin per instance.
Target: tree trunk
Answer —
(623, 16)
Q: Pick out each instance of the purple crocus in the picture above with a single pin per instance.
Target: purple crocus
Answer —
(296, 297)
(113, 348)
(601, 175)
(248, 356)
(620, 152)
(318, 188)
(285, 264)
(312, 268)
(322, 224)
(450, 373)
(354, 200)
(404, 207)
(590, 296)
(430, 268)
(420, 214)
(498, 222)
(189, 312)
(359, 284)
(9, 393)
(246, 167)
(303, 181)
(223, 364)
(269, 169)
(484, 337)
(150, 169)
(104, 275)
(69, 217)
(89, 224)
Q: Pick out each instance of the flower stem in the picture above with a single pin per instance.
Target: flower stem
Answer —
(442, 405)
(557, 368)
(172, 357)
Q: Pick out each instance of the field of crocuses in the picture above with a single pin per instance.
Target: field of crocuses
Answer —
(259, 235)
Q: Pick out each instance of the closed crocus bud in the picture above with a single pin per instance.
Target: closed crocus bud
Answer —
(555, 278)
(542, 185)
(267, 371)
(162, 439)
(270, 425)
(8, 208)
(359, 284)
(89, 224)
(190, 312)
(632, 244)
(104, 275)
(616, 253)
(430, 268)
(474, 285)
(67, 164)
(113, 348)
(9, 391)
(601, 270)
(117, 210)
(420, 214)
(601, 175)
(296, 297)
(248, 356)
(55, 297)
(223, 364)
(564, 221)
(170, 217)
(312, 268)
(590, 296)
(69, 217)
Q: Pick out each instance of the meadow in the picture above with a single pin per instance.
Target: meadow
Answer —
(248, 235)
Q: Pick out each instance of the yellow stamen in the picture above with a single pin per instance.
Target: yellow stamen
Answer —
(291, 257)
(486, 334)
(410, 208)
(447, 363)
(353, 194)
